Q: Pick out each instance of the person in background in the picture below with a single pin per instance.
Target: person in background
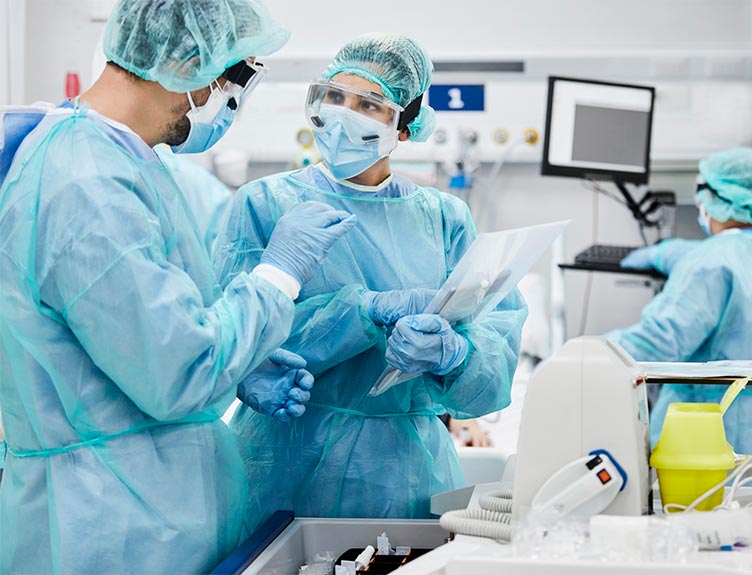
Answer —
(704, 312)
(351, 454)
(119, 350)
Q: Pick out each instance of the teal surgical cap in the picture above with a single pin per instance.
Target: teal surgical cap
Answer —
(398, 65)
(728, 174)
(187, 44)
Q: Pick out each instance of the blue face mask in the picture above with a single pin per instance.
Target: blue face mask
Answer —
(208, 123)
(351, 142)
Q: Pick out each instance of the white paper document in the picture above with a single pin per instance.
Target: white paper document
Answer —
(490, 269)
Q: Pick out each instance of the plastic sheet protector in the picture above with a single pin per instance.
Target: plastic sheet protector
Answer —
(485, 275)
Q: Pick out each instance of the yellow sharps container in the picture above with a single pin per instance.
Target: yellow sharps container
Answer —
(692, 454)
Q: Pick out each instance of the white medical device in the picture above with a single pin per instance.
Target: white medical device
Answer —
(583, 488)
(589, 396)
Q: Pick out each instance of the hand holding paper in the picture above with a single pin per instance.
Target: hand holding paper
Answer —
(487, 273)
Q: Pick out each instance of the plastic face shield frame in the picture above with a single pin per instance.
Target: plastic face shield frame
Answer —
(369, 104)
(241, 79)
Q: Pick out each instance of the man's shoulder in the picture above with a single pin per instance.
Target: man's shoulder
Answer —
(76, 149)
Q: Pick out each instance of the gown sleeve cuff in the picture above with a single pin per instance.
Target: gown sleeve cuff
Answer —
(283, 281)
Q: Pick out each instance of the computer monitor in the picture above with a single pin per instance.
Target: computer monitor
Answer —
(598, 130)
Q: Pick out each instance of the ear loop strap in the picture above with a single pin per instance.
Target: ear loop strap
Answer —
(190, 100)
(211, 87)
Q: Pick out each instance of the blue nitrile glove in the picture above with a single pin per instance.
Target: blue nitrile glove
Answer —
(278, 387)
(386, 307)
(425, 342)
(662, 256)
(303, 236)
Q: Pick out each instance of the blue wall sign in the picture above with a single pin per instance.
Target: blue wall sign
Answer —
(457, 98)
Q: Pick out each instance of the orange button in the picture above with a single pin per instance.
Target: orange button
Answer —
(604, 476)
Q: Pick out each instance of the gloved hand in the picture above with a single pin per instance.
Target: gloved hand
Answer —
(386, 307)
(278, 387)
(661, 256)
(425, 342)
(303, 236)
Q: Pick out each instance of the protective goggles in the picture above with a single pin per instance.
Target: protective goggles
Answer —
(376, 107)
(242, 78)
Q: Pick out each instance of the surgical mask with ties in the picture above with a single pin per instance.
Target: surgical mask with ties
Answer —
(208, 122)
(350, 142)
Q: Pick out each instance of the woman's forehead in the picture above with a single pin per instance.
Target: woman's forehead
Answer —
(358, 82)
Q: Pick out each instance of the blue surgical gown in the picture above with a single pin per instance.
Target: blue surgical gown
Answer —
(118, 354)
(704, 313)
(351, 455)
(207, 197)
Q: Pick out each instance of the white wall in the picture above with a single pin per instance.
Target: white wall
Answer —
(4, 55)
(12, 33)
(449, 28)
(60, 38)
(62, 33)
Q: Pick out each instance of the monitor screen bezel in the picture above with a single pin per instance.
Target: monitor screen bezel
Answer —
(549, 169)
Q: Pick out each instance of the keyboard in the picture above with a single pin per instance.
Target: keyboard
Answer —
(603, 255)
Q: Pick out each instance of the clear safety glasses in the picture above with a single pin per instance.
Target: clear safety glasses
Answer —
(369, 104)
(242, 78)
